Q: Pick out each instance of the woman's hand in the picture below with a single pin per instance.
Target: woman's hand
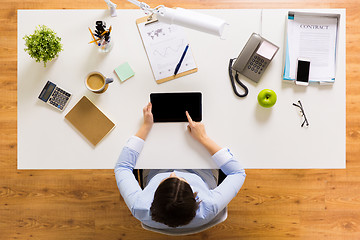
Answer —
(147, 124)
(197, 131)
(148, 116)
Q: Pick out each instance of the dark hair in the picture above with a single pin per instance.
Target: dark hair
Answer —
(174, 203)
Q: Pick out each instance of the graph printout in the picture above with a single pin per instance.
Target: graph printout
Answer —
(164, 45)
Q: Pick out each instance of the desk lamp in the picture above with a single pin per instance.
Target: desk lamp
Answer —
(185, 18)
(112, 6)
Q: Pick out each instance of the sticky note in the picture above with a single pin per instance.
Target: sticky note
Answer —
(124, 71)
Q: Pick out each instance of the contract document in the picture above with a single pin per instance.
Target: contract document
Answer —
(313, 37)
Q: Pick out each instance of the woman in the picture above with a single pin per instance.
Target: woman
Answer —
(177, 198)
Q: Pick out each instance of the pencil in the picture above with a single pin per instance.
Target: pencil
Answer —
(92, 35)
(104, 33)
(95, 40)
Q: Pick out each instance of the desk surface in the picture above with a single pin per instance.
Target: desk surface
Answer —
(260, 138)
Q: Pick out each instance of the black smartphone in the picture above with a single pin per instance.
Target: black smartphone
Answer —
(171, 107)
(302, 72)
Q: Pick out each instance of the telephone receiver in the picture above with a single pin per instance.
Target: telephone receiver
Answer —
(252, 61)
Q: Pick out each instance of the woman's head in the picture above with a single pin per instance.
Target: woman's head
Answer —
(174, 202)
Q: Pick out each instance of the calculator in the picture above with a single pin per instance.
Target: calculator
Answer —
(55, 96)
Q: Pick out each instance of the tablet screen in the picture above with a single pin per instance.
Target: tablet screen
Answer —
(171, 107)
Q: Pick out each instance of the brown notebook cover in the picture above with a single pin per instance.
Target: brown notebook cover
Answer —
(89, 120)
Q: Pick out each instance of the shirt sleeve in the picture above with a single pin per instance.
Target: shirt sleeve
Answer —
(128, 186)
(234, 180)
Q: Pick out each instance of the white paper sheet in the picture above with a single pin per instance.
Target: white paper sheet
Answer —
(314, 38)
(165, 44)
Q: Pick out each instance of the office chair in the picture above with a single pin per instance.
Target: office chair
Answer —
(183, 231)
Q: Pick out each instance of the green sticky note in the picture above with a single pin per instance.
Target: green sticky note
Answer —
(124, 71)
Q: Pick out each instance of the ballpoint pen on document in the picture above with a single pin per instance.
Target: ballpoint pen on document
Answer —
(181, 60)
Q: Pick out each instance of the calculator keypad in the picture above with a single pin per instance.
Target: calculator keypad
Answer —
(59, 98)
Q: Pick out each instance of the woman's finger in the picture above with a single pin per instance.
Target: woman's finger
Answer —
(191, 122)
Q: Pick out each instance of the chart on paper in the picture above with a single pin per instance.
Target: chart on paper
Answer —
(164, 45)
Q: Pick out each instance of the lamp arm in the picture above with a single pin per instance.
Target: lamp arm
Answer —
(112, 7)
(142, 6)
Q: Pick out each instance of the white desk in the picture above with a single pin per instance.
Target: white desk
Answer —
(259, 137)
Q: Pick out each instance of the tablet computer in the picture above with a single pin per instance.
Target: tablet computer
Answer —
(171, 107)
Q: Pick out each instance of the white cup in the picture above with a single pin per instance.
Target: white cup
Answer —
(97, 82)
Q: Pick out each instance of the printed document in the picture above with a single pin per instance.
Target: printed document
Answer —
(314, 38)
(164, 46)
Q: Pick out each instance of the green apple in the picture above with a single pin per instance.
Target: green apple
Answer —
(267, 98)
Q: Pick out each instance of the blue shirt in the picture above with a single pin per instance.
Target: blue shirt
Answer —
(212, 202)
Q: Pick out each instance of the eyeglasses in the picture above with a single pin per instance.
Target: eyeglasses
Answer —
(302, 113)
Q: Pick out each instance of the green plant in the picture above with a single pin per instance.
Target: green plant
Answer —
(43, 45)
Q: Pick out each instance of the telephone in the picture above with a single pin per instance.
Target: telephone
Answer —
(252, 61)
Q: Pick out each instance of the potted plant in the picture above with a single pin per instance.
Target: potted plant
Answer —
(43, 45)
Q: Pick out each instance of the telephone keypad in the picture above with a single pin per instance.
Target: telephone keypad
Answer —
(257, 64)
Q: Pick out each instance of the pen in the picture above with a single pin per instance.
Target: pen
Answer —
(181, 59)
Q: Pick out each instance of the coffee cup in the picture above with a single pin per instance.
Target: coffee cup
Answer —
(97, 82)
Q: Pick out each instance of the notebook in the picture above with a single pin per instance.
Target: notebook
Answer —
(89, 121)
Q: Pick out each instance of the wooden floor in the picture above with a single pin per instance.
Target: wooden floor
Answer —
(86, 204)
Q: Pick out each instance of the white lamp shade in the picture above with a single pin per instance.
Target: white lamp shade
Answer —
(191, 19)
